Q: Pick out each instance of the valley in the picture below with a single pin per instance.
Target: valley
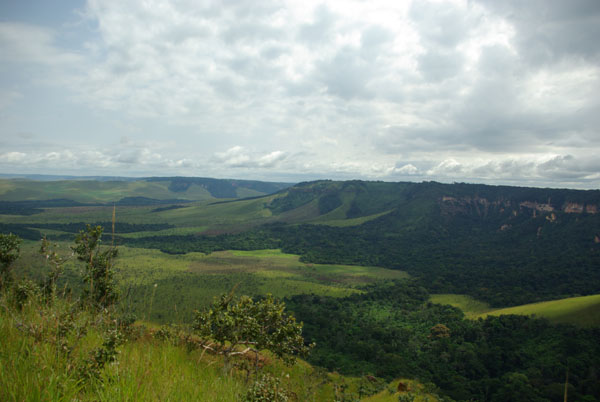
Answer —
(461, 287)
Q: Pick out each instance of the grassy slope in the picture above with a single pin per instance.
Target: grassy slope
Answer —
(582, 311)
(391, 393)
(471, 307)
(35, 367)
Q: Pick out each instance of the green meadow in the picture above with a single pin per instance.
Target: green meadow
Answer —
(470, 306)
(160, 286)
(583, 311)
(163, 287)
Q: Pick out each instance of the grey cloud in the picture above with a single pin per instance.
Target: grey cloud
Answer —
(440, 24)
(440, 65)
(252, 8)
(26, 135)
(319, 30)
(569, 167)
(272, 52)
(251, 32)
(253, 68)
(347, 74)
(498, 60)
(550, 30)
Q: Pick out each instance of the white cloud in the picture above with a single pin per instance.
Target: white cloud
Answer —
(453, 89)
(238, 157)
(13, 157)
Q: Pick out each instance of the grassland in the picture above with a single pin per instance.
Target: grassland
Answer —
(167, 288)
(583, 311)
(471, 307)
(414, 390)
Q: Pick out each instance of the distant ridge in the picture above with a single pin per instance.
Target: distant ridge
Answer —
(130, 191)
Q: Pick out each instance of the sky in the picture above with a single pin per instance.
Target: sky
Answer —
(481, 91)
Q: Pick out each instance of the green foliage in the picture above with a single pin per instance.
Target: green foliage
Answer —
(268, 389)
(9, 252)
(102, 355)
(255, 325)
(23, 291)
(56, 263)
(99, 272)
(392, 332)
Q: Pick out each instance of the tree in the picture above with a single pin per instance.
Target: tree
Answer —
(9, 252)
(99, 266)
(253, 326)
(56, 262)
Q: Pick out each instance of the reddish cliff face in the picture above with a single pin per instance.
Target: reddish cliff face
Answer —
(478, 205)
(576, 208)
(537, 206)
(573, 208)
(482, 206)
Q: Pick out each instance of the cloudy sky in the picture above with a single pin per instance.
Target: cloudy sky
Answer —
(479, 91)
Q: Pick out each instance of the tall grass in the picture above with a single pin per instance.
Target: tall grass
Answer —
(47, 353)
(50, 352)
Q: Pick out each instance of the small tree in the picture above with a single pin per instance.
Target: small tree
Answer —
(9, 252)
(253, 326)
(56, 262)
(102, 291)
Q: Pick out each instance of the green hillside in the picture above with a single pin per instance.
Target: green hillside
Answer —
(471, 307)
(582, 311)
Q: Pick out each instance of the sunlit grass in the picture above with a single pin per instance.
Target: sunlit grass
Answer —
(471, 307)
(582, 311)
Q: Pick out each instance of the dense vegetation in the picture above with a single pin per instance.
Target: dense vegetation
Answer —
(391, 331)
(452, 256)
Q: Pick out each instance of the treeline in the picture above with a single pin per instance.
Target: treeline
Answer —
(35, 231)
(120, 227)
(32, 207)
(391, 332)
(182, 244)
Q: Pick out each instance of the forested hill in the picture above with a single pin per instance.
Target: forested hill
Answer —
(505, 245)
